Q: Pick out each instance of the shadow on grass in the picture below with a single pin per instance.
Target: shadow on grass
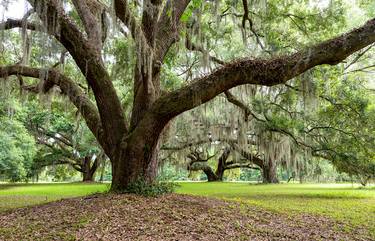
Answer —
(4, 186)
(291, 196)
(313, 186)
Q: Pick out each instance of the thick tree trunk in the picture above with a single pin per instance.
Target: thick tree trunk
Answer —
(130, 167)
(219, 174)
(137, 156)
(269, 173)
(211, 176)
(88, 176)
(88, 169)
(221, 165)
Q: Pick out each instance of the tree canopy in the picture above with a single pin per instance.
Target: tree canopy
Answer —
(276, 81)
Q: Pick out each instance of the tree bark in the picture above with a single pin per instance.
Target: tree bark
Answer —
(219, 173)
(269, 173)
(88, 168)
(133, 151)
(88, 176)
(211, 176)
(221, 165)
(137, 155)
(87, 172)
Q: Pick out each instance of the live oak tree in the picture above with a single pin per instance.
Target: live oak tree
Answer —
(61, 137)
(132, 144)
(293, 126)
(214, 150)
(60, 149)
(246, 160)
(198, 158)
(51, 156)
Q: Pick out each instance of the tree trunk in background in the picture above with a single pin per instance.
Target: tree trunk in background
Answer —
(88, 176)
(219, 174)
(221, 165)
(88, 169)
(211, 176)
(301, 175)
(269, 173)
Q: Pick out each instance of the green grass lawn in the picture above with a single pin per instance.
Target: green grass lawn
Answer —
(21, 195)
(339, 201)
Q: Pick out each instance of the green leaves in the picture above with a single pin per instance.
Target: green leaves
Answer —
(17, 150)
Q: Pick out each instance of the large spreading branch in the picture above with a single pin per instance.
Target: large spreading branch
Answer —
(168, 26)
(60, 138)
(89, 61)
(124, 13)
(263, 72)
(90, 21)
(19, 23)
(247, 111)
(50, 78)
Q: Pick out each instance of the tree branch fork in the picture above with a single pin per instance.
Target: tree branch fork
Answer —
(267, 72)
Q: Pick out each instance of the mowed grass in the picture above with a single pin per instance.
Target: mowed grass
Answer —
(21, 195)
(341, 202)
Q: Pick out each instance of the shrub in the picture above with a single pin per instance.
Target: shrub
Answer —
(145, 188)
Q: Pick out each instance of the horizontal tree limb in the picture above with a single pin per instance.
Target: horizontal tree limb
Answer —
(19, 23)
(51, 77)
(263, 72)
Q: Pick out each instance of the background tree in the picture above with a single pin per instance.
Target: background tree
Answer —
(17, 146)
(63, 139)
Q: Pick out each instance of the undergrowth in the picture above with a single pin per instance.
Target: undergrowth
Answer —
(153, 189)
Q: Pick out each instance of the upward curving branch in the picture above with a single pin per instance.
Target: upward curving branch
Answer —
(124, 13)
(168, 26)
(90, 21)
(263, 72)
(90, 62)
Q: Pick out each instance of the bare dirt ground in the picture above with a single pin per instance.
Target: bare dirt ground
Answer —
(170, 217)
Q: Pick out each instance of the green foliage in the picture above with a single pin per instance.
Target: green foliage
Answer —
(171, 172)
(250, 175)
(153, 189)
(61, 173)
(17, 150)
